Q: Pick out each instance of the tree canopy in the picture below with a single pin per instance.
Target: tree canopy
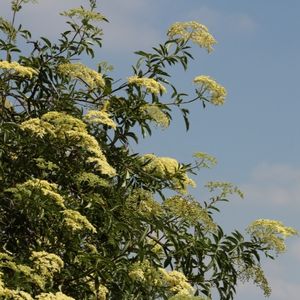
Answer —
(82, 215)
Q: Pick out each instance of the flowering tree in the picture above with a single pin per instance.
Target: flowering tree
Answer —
(82, 216)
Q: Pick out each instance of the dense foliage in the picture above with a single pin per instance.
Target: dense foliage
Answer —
(81, 215)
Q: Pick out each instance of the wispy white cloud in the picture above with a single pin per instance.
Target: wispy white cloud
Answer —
(229, 23)
(129, 27)
(273, 191)
(119, 36)
(275, 187)
(276, 173)
(134, 24)
(43, 18)
(282, 289)
(294, 250)
(283, 282)
(277, 184)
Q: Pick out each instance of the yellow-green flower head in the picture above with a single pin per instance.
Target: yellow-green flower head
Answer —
(43, 164)
(76, 221)
(224, 188)
(151, 85)
(61, 128)
(91, 180)
(155, 113)
(38, 127)
(160, 165)
(82, 13)
(193, 31)
(27, 272)
(166, 167)
(102, 165)
(14, 294)
(8, 29)
(102, 292)
(272, 233)
(140, 270)
(205, 160)
(257, 275)
(4, 256)
(99, 117)
(189, 210)
(142, 202)
(187, 297)
(155, 246)
(176, 282)
(212, 89)
(146, 274)
(63, 122)
(51, 296)
(137, 274)
(49, 190)
(16, 5)
(18, 69)
(79, 71)
(47, 264)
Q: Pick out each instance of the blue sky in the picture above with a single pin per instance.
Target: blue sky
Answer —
(255, 136)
